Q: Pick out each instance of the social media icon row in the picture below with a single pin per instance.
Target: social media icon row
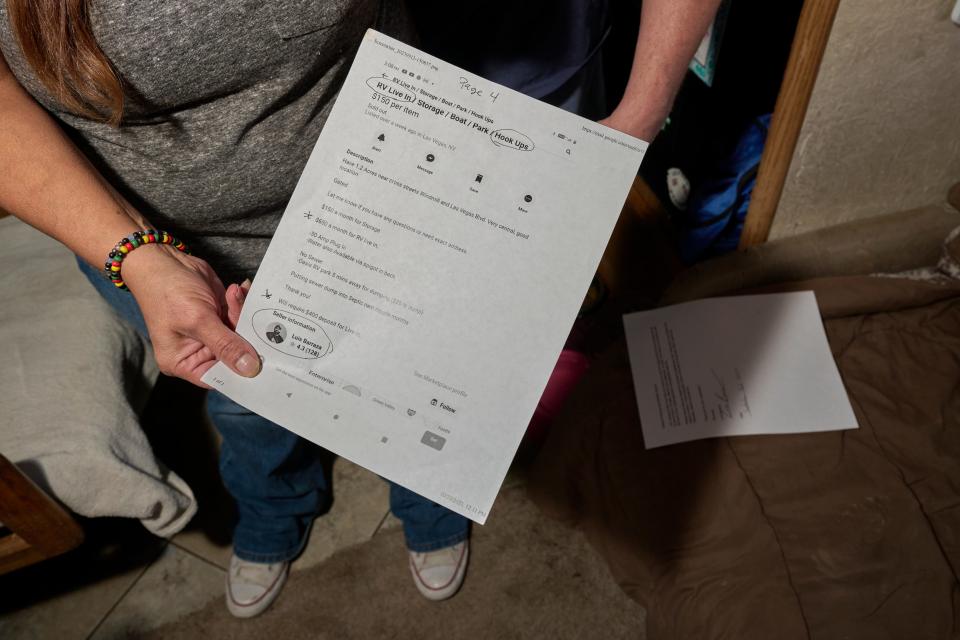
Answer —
(478, 179)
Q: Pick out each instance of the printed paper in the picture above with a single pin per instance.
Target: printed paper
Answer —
(427, 270)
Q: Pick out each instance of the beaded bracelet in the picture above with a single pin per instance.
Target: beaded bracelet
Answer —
(131, 242)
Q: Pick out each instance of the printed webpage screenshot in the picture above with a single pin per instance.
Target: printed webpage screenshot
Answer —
(427, 271)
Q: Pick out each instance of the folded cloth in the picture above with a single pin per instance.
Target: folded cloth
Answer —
(73, 381)
(845, 534)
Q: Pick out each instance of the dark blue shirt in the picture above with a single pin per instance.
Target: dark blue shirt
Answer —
(533, 46)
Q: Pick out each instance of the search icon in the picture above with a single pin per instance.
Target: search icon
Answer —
(568, 151)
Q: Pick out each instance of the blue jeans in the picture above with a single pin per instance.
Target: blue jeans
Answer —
(278, 479)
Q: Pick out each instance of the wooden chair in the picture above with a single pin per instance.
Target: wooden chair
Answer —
(35, 527)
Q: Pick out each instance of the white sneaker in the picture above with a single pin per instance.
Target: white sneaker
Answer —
(438, 574)
(252, 586)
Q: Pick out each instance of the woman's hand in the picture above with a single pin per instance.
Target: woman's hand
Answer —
(189, 314)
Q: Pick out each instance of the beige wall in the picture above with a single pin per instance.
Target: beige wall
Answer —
(882, 133)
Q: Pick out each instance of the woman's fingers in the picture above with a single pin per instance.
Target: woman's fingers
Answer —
(235, 297)
(236, 294)
(227, 347)
(192, 367)
(182, 300)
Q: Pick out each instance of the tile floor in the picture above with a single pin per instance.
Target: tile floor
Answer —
(123, 581)
(110, 589)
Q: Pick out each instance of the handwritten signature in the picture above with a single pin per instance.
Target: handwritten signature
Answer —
(741, 387)
(723, 397)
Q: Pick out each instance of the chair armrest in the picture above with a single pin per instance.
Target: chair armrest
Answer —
(40, 528)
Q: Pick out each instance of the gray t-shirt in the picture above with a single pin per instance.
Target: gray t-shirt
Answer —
(225, 100)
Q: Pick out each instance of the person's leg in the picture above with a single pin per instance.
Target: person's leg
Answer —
(278, 482)
(426, 525)
(276, 478)
(437, 543)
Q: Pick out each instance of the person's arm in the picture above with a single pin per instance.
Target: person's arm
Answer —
(670, 31)
(48, 183)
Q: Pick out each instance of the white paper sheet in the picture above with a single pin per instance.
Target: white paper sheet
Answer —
(735, 366)
(427, 270)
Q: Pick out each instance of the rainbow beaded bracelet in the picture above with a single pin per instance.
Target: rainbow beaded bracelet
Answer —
(131, 242)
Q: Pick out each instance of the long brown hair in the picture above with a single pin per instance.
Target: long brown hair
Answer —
(58, 42)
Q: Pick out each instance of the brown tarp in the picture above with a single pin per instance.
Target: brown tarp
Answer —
(847, 534)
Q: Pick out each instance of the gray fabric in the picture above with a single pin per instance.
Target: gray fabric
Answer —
(226, 98)
(72, 381)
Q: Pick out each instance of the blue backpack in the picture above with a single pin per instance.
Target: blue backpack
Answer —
(718, 206)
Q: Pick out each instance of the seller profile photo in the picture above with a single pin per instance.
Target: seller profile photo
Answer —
(276, 333)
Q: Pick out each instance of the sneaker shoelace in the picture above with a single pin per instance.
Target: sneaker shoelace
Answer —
(438, 558)
(255, 572)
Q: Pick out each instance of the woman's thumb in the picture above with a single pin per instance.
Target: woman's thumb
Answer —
(229, 348)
